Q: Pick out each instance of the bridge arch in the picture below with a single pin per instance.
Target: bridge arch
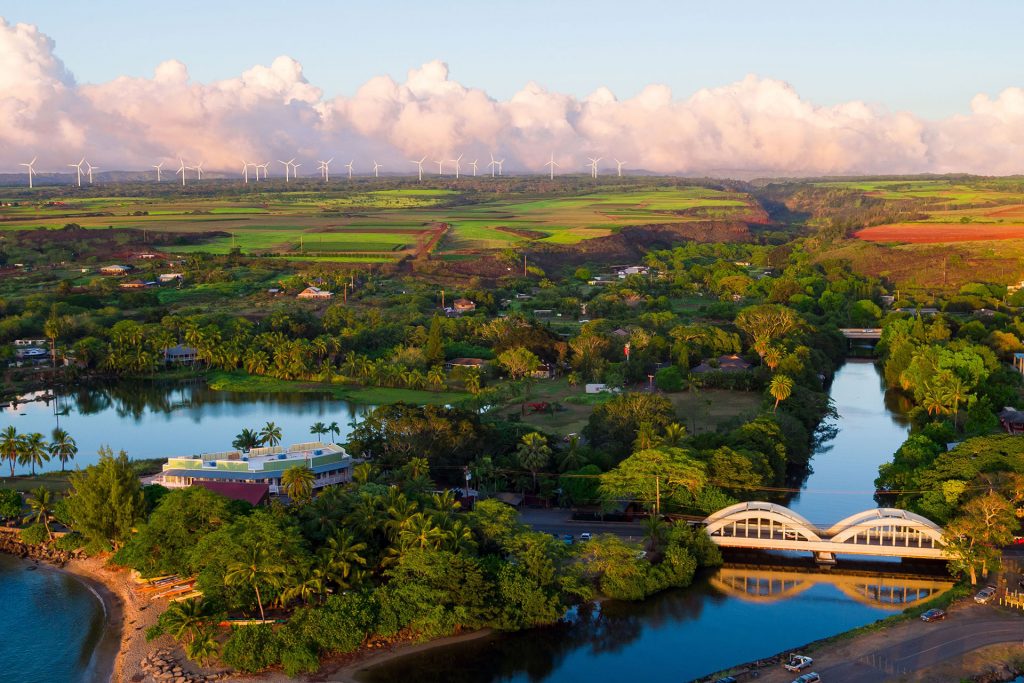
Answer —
(754, 511)
(887, 524)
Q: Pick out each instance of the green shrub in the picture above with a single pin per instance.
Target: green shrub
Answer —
(70, 542)
(299, 660)
(34, 535)
(10, 504)
(252, 648)
(669, 379)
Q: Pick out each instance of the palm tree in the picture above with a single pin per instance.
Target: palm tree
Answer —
(318, 429)
(435, 378)
(62, 447)
(246, 440)
(674, 434)
(363, 473)
(204, 648)
(297, 482)
(270, 434)
(772, 357)
(10, 446)
(472, 382)
(781, 388)
(655, 531)
(333, 428)
(257, 568)
(419, 531)
(185, 621)
(33, 451)
(573, 458)
(40, 505)
(533, 453)
(341, 555)
(310, 583)
(954, 392)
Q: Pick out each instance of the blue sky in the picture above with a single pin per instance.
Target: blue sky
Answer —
(930, 57)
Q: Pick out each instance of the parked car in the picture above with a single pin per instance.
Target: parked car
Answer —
(585, 536)
(797, 663)
(567, 539)
(985, 594)
(807, 678)
(934, 615)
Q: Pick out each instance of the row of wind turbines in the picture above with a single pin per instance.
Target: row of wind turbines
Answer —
(291, 169)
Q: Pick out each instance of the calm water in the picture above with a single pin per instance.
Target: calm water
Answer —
(50, 625)
(736, 614)
(151, 420)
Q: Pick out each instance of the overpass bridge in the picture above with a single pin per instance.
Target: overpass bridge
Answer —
(881, 532)
(873, 333)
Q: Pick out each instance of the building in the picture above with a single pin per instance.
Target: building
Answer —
(134, 284)
(463, 306)
(31, 342)
(475, 363)
(166, 278)
(253, 494)
(315, 293)
(115, 269)
(1012, 420)
(329, 462)
(730, 363)
(632, 270)
(181, 354)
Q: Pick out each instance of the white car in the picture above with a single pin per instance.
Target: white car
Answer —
(985, 594)
(798, 663)
(585, 536)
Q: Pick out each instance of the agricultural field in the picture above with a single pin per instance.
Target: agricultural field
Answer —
(360, 225)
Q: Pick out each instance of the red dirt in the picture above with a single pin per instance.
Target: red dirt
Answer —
(929, 233)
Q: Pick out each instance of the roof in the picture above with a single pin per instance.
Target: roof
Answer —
(254, 494)
(248, 475)
(475, 362)
(731, 363)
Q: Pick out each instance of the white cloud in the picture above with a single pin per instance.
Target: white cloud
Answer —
(754, 126)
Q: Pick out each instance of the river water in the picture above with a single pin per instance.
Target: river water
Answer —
(158, 420)
(736, 614)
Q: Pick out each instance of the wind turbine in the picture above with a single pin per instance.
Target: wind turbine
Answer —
(325, 169)
(349, 167)
(198, 168)
(473, 164)
(493, 165)
(457, 163)
(376, 169)
(90, 169)
(295, 170)
(158, 167)
(593, 166)
(419, 166)
(619, 164)
(31, 171)
(552, 164)
(245, 170)
(501, 165)
(440, 167)
(287, 168)
(266, 169)
(78, 167)
(181, 170)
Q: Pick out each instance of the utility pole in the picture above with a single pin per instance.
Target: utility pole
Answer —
(524, 265)
(657, 496)
(442, 298)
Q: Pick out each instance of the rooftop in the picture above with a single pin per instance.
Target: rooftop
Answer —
(258, 459)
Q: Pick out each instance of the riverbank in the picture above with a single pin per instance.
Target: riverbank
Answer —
(241, 382)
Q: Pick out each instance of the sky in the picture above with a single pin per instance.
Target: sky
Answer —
(741, 87)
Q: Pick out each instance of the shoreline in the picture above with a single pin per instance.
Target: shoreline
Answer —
(354, 671)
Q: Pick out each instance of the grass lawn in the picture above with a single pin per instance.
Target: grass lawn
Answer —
(243, 382)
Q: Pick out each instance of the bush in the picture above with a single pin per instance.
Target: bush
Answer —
(252, 648)
(10, 504)
(34, 535)
(70, 542)
(669, 379)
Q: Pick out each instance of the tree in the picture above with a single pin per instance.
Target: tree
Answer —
(767, 323)
(187, 620)
(655, 477)
(106, 500)
(613, 425)
(533, 454)
(10, 504)
(781, 388)
(435, 378)
(655, 532)
(33, 451)
(62, 447)
(334, 429)
(40, 505)
(520, 363)
(270, 434)
(318, 429)
(297, 483)
(340, 556)
(246, 440)
(257, 569)
(10, 446)
(975, 538)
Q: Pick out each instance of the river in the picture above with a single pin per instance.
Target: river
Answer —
(735, 614)
(161, 419)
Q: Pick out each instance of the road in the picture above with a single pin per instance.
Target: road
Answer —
(559, 521)
(911, 646)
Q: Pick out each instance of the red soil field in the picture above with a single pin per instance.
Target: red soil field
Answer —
(929, 233)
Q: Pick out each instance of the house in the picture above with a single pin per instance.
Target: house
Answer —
(475, 363)
(181, 354)
(1012, 420)
(115, 269)
(329, 462)
(170, 277)
(30, 342)
(315, 293)
(621, 333)
(253, 494)
(543, 371)
(729, 363)
(133, 284)
(632, 270)
(463, 306)
(146, 256)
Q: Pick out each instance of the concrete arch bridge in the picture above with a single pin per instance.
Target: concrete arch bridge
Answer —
(885, 532)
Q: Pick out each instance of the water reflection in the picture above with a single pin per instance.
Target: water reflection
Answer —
(159, 419)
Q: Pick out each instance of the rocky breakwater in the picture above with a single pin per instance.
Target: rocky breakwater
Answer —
(11, 543)
(161, 666)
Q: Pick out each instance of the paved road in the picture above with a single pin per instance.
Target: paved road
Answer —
(560, 522)
(912, 646)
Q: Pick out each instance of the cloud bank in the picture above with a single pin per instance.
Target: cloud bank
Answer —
(754, 126)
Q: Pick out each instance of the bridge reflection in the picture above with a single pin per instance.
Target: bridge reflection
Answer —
(775, 584)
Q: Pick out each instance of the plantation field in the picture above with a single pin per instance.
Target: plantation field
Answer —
(383, 225)
(930, 233)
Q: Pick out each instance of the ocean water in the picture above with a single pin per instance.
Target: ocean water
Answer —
(50, 625)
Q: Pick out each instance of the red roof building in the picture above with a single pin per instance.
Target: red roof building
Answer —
(253, 494)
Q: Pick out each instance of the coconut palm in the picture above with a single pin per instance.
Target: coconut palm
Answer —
(246, 440)
(10, 446)
(204, 649)
(781, 388)
(533, 453)
(954, 392)
(334, 429)
(40, 504)
(655, 531)
(62, 447)
(270, 435)
(472, 382)
(340, 556)
(318, 429)
(297, 482)
(435, 378)
(33, 451)
(674, 434)
(185, 621)
(573, 459)
(310, 583)
(257, 569)
(419, 531)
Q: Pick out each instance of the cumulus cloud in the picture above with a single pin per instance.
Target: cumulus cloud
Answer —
(754, 126)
